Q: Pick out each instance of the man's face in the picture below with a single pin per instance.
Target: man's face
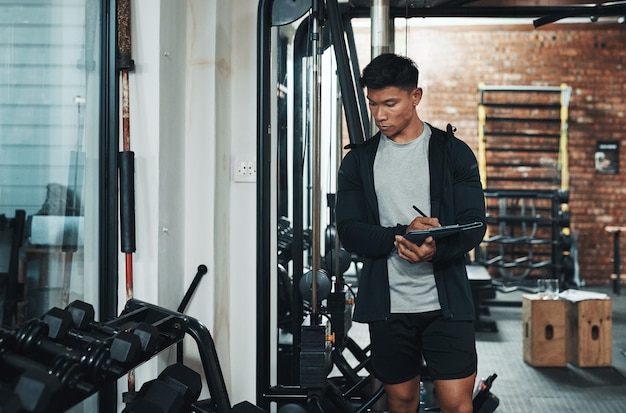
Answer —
(393, 109)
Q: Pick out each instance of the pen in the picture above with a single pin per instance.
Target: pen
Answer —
(420, 211)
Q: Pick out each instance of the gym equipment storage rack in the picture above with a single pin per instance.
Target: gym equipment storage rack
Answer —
(523, 161)
(522, 136)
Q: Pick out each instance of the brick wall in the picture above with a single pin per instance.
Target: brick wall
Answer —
(591, 58)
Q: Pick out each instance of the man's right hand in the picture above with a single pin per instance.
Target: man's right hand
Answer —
(419, 223)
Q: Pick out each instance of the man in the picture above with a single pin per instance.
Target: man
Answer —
(416, 298)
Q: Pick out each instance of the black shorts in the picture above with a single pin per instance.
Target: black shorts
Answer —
(399, 343)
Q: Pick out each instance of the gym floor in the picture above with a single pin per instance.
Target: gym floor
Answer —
(522, 388)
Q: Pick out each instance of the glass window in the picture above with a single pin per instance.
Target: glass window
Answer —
(49, 155)
(50, 119)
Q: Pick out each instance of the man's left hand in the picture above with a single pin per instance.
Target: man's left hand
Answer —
(414, 253)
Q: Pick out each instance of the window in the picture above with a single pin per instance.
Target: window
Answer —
(49, 132)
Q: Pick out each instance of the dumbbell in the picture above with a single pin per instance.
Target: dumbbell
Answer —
(82, 314)
(149, 336)
(123, 348)
(292, 408)
(7, 339)
(39, 391)
(174, 391)
(38, 382)
(10, 401)
(62, 323)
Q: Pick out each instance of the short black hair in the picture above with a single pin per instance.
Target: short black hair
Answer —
(388, 70)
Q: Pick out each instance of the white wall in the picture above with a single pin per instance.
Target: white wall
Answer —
(193, 110)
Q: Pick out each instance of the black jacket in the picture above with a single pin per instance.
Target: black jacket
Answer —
(456, 198)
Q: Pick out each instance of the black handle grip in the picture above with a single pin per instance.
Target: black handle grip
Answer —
(127, 200)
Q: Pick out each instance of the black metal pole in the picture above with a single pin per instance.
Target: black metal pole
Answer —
(300, 50)
(108, 213)
(356, 72)
(356, 130)
(202, 269)
(263, 201)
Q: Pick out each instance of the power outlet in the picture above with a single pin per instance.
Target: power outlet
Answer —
(244, 170)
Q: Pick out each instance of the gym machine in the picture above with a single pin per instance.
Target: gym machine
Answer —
(314, 303)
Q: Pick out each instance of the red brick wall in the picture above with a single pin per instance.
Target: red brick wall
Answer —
(591, 58)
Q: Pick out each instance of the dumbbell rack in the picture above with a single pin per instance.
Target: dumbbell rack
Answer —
(50, 366)
(68, 364)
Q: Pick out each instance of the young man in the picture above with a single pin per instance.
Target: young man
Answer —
(415, 298)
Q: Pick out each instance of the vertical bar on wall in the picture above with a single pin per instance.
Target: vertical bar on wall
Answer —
(482, 149)
(482, 145)
(566, 92)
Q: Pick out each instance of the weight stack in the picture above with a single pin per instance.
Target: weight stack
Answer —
(314, 356)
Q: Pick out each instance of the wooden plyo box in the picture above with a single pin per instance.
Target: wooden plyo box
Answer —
(589, 333)
(544, 324)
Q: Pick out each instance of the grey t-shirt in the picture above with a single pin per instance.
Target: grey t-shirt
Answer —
(401, 180)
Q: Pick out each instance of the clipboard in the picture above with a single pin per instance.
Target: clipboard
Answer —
(418, 236)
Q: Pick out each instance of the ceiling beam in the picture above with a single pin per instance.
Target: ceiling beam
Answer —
(608, 10)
